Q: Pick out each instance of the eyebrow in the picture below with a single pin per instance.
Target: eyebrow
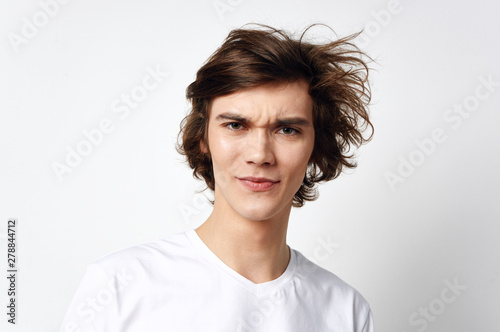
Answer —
(297, 121)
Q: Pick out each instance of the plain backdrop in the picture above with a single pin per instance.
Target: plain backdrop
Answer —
(414, 228)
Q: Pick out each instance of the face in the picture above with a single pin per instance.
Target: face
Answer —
(260, 141)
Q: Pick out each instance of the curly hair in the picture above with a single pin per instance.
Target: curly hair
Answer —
(335, 71)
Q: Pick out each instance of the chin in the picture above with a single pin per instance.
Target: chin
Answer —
(259, 211)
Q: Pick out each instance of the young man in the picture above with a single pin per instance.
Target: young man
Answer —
(271, 116)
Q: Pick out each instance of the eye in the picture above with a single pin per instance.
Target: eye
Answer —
(234, 125)
(289, 131)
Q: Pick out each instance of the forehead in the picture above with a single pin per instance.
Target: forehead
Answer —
(267, 102)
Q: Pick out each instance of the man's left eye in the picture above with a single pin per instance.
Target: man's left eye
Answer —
(234, 125)
(288, 131)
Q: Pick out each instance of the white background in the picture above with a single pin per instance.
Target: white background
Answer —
(399, 244)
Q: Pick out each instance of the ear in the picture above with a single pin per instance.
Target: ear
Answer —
(203, 147)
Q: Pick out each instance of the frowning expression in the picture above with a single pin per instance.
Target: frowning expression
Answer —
(260, 141)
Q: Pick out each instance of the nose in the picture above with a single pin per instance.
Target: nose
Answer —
(259, 149)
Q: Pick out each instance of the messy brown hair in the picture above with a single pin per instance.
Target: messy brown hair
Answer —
(337, 75)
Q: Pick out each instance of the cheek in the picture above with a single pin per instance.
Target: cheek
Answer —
(297, 161)
(305, 156)
(222, 147)
(226, 145)
(224, 152)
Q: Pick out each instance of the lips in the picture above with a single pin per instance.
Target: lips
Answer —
(257, 183)
(258, 180)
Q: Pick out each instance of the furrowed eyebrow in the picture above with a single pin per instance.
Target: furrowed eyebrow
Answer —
(293, 121)
(231, 116)
(297, 121)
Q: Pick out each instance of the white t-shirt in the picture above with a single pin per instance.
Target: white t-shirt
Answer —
(177, 284)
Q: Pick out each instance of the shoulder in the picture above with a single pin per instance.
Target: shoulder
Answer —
(341, 301)
(146, 255)
(329, 286)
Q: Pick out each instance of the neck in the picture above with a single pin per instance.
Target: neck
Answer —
(256, 249)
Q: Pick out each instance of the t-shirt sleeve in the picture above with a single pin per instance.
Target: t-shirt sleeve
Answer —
(362, 313)
(95, 305)
(368, 326)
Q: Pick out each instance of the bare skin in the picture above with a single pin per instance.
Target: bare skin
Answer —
(260, 141)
